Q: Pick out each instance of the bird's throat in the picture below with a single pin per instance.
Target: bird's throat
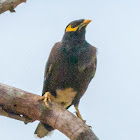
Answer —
(73, 38)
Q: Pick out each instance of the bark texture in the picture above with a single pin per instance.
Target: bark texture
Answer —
(25, 106)
(10, 5)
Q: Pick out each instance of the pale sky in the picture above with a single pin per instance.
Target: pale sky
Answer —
(111, 105)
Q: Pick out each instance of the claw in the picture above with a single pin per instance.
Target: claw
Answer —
(41, 98)
(47, 98)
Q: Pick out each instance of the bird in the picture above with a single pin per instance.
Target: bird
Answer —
(70, 68)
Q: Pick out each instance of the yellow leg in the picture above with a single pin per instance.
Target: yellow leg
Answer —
(47, 98)
(78, 114)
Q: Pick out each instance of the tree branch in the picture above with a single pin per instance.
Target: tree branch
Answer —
(15, 116)
(25, 106)
(10, 5)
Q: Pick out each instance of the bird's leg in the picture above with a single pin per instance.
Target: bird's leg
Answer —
(78, 114)
(47, 98)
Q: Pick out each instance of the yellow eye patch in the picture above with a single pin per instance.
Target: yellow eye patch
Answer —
(70, 29)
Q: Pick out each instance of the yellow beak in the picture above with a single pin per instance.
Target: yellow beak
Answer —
(86, 22)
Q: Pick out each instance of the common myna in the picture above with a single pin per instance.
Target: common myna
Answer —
(69, 70)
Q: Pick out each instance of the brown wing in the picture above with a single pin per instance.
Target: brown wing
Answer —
(88, 60)
(86, 70)
(50, 66)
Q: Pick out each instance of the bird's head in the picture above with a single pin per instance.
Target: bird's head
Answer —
(77, 25)
(76, 29)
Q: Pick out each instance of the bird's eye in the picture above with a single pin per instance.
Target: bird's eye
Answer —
(73, 25)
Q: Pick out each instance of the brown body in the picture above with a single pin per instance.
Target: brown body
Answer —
(69, 70)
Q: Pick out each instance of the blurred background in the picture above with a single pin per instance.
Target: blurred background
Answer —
(111, 104)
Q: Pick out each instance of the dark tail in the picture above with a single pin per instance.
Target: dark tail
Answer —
(43, 130)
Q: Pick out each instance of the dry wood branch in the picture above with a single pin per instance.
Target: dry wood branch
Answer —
(10, 5)
(15, 116)
(24, 106)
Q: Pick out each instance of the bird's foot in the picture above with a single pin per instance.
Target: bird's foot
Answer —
(83, 120)
(47, 98)
(79, 116)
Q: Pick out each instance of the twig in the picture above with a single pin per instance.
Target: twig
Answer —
(10, 5)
